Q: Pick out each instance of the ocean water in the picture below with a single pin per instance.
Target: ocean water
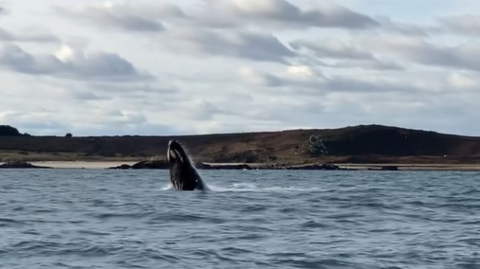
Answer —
(250, 219)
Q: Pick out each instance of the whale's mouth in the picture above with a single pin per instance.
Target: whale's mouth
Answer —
(175, 152)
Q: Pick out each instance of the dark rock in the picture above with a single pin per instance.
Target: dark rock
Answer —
(390, 167)
(313, 167)
(224, 167)
(147, 164)
(121, 167)
(20, 165)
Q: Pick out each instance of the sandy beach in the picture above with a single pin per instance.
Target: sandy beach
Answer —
(81, 164)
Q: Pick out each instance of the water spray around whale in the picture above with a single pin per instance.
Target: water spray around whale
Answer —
(183, 175)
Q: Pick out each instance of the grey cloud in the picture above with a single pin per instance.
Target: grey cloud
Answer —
(345, 84)
(467, 24)
(262, 78)
(245, 45)
(320, 84)
(34, 123)
(196, 109)
(332, 48)
(146, 94)
(280, 13)
(138, 94)
(40, 38)
(149, 17)
(349, 56)
(139, 17)
(280, 109)
(408, 86)
(104, 19)
(4, 10)
(334, 110)
(203, 110)
(95, 66)
(115, 128)
(408, 29)
(44, 128)
(374, 64)
(465, 55)
(119, 124)
(132, 89)
(88, 96)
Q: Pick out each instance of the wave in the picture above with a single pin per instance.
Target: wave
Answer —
(250, 187)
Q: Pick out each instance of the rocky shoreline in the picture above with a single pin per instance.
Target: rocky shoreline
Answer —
(162, 164)
(21, 165)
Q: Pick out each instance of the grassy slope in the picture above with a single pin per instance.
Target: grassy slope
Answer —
(358, 144)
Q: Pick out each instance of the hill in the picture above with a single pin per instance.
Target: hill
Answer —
(6, 130)
(354, 144)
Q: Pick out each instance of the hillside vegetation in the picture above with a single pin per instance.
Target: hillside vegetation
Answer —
(357, 144)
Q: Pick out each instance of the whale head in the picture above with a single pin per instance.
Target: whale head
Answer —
(183, 174)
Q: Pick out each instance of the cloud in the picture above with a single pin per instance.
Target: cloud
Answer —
(317, 83)
(150, 17)
(390, 53)
(261, 78)
(407, 29)
(70, 63)
(348, 55)
(346, 108)
(3, 11)
(106, 128)
(141, 16)
(416, 50)
(467, 24)
(333, 48)
(463, 82)
(133, 90)
(236, 65)
(101, 123)
(200, 110)
(33, 122)
(253, 46)
(279, 14)
(27, 37)
(366, 64)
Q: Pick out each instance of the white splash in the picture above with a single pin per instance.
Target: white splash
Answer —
(250, 187)
(168, 187)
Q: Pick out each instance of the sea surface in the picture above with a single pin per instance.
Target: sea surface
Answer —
(81, 218)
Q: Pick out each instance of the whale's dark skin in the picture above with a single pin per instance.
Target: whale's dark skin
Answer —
(183, 175)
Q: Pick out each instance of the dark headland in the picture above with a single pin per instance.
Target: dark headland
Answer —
(375, 146)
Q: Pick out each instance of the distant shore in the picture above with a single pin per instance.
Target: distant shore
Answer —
(346, 166)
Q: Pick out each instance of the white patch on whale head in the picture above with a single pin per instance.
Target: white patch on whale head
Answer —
(172, 153)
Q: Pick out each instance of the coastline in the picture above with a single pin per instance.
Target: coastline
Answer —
(344, 166)
(81, 164)
(362, 147)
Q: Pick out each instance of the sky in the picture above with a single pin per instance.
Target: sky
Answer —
(215, 66)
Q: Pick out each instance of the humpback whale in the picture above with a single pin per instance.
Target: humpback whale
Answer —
(183, 175)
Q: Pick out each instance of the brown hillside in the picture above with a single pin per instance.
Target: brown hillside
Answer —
(364, 143)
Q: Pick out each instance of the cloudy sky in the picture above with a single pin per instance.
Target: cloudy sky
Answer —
(209, 66)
